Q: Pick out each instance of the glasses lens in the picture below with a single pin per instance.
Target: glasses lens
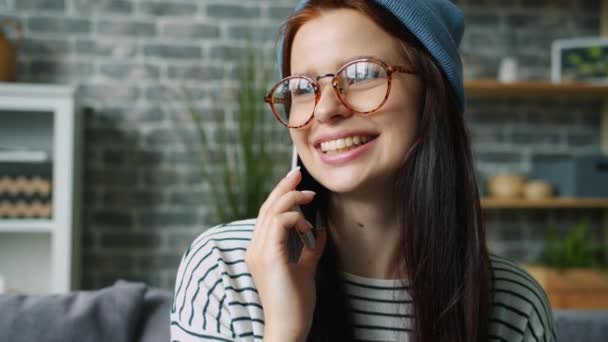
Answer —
(363, 86)
(294, 101)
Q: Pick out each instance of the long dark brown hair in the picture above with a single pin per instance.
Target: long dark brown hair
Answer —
(442, 230)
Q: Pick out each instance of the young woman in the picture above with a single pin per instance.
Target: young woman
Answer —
(373, 99)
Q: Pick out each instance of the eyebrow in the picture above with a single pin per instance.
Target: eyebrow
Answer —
(342, 62)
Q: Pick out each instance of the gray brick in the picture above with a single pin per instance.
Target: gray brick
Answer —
(103, 6)
(591, 23)
(43, 69)
(226, 52)
(129, 71)
(264, 33)
(229, 11)
(56, 68)
(6, 5)
(107, 48)
(111, 178)
(536, 137)
(129, 27)
(552, 115)
(499, 157)
(162, 137)
(157, 8)
(583, 139)
(159, 261)
(154, 178)
(101, 135)
(190, 157)
(191, 198)
(59, 25)
(189, 30)
(203, 73)
(156, 93)
(180, 241)
(57, 5)
(166, 218)
(280, 12)
(107, 118)
(130, 240)
(130, 198)
(173, 51)
(108, 91)
(44, 47)
(108, 262)
(113, 219)
(483, 135)
(116, 157)
(149, 114)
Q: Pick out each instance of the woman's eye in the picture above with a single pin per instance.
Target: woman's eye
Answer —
(300, 91)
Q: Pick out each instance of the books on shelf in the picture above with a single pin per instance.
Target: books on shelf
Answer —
(26, 190)
(22, 154)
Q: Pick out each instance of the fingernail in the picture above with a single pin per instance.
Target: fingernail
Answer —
(308, 192)
(293, 171)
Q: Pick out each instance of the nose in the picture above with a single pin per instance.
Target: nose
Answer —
(329, 108)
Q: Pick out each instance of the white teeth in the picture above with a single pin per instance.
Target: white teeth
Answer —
(343, 143)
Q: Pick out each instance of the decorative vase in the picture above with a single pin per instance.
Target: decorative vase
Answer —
(538, 190)
(8, 50)
(507, 186)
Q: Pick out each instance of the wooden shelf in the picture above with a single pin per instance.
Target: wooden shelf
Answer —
(590, 203)
(26, 226)
(534, 89)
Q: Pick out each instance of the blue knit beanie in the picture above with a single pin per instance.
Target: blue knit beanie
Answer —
(439, 26)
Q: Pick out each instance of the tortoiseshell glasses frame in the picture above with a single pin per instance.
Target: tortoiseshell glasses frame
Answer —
(388, 68)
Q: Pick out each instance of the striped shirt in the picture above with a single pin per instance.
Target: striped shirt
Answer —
(215, 297)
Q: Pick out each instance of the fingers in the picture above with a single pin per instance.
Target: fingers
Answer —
(288, 183)
(291, 199)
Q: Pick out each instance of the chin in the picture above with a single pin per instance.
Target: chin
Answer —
(341, 183)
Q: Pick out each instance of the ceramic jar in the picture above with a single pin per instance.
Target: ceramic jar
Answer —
(507, 186)
(8, 50)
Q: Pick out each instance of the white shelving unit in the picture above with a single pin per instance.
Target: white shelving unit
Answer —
(43, 255)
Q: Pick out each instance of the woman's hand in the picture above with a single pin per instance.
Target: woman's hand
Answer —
(287, 290)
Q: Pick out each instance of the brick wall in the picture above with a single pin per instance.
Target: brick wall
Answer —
(144, 198)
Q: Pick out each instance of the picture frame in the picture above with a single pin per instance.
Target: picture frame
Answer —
(580, 60)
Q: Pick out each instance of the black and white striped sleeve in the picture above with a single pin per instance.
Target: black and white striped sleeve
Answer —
(522, 311)
(200, 308)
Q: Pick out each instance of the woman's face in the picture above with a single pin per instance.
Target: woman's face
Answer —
(320, 47)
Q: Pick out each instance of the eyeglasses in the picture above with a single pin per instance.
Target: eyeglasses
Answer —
(362, 85)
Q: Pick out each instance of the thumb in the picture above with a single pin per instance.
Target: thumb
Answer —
(310, 257)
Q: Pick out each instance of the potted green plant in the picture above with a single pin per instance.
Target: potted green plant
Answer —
(573, 270)
(241, 172)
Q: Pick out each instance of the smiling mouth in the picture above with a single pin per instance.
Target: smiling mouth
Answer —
(345, 144)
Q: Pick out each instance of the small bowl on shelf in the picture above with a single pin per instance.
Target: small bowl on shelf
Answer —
(538, 190)
(507, 186)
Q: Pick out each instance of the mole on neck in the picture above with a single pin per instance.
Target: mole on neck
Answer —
(360, 225)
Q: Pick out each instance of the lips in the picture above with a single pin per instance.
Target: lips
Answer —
(340, 135)
(340, 158)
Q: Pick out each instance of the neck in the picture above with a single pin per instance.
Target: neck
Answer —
(366, 233)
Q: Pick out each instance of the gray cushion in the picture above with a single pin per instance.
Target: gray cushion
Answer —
(155, 325)
(581, 325)
(109, 314)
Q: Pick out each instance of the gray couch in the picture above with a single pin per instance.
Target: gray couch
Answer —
(134, 312)
(124, 312)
